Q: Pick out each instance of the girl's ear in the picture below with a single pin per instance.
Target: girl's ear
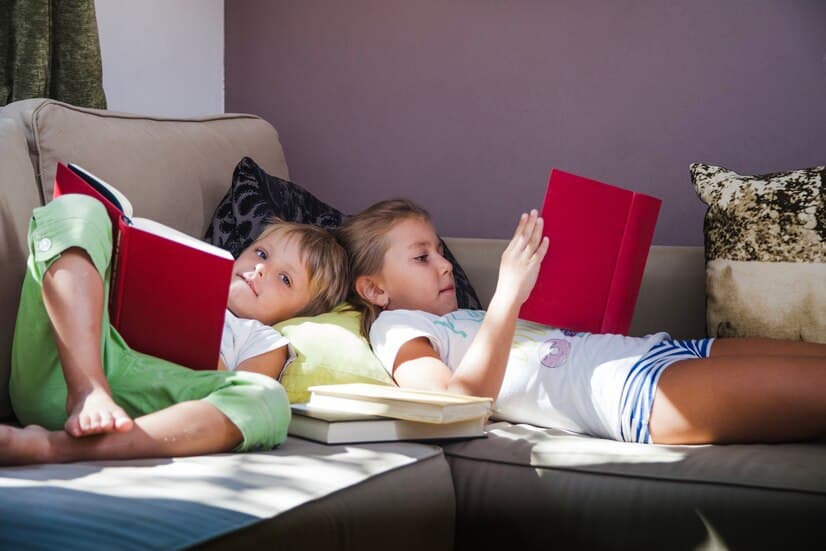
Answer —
(370, 290)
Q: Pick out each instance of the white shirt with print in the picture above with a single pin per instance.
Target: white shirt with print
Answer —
(554, 378)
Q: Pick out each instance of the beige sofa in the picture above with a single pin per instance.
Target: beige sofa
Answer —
(522, 486)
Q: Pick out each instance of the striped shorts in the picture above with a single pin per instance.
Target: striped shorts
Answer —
(641, 384)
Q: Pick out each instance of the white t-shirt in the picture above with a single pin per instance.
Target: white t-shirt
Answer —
(245, 338)
(554, 378)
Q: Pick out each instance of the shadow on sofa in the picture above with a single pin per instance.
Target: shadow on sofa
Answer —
(542, 488)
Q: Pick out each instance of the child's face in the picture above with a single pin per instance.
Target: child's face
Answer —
(270, 283)
(415, 275)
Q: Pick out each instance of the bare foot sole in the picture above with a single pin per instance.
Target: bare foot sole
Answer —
(24, 446)
(96, 413)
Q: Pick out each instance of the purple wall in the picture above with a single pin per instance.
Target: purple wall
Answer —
(465, 105)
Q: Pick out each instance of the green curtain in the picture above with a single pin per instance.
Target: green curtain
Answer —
(50, 49)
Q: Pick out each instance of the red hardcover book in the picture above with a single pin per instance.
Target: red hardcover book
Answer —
(168, 291)
(600, 236)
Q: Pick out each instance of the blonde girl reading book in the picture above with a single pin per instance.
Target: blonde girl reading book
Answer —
(84, 394)
(639, 389)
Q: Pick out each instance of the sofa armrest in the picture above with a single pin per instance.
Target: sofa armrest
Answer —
(19, 198)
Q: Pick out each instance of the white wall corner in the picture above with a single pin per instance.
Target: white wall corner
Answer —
(163, 58)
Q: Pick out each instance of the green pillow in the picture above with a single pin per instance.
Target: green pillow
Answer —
(329, 350)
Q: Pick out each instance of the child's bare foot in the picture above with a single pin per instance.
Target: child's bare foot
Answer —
(94, 413)
(24, 446)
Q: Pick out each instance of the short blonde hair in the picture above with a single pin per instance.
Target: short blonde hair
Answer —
(324, 259)
(363, 237)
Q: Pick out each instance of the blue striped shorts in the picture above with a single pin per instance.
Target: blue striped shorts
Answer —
(641, 384)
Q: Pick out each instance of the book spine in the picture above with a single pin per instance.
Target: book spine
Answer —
(120, 254)
(630, 264)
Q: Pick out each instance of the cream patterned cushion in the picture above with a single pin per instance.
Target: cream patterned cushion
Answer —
(765, 244)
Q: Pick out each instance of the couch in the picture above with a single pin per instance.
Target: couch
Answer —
(520, 487)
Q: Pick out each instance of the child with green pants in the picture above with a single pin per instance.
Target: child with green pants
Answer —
(83, 394)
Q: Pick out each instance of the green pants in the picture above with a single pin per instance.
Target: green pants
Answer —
(140, 384)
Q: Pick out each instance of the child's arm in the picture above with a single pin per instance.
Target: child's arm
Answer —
(482, 369)
(269, 363)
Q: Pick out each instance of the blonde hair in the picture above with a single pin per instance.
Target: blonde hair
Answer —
(324, 259)
(363, 237)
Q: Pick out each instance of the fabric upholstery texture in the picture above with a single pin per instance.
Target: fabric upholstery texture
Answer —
(765, 243)
(186, 502)
(550, 489)
(255, 197)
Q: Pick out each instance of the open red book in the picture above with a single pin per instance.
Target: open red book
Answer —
(168, 291)
(600, 236)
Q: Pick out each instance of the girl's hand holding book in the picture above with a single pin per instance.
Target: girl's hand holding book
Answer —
(522, 258)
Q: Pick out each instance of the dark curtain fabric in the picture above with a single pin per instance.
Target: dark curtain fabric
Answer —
(50, 49)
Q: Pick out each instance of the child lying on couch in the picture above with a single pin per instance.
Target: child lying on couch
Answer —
(84, 394)
(706, 390)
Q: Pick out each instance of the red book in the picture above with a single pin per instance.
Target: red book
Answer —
(600, 236)
(168, 291)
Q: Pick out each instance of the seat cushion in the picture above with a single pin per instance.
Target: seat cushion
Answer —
(307, 494)
(544, 487)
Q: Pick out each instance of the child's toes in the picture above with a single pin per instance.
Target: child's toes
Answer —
(122, 422)
(72, 426)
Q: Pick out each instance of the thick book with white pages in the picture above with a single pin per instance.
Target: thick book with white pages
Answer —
(400, 403)
(336, 427)
(169, 290)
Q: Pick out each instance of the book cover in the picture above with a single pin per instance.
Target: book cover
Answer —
(399, 403)
(168, 290)
(600, 236)
(336, 427)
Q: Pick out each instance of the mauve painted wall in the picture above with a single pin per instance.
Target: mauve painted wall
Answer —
(466, 105)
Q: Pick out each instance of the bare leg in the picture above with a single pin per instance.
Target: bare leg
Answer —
(73, 296)
(187, 428)
(766, 347)
(740, 398)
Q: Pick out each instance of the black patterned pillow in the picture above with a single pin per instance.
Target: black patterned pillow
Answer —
(765, 244)
(254, 197)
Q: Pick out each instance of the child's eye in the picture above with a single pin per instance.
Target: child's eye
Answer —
(285, 279)
(421, 258)
(260, 253)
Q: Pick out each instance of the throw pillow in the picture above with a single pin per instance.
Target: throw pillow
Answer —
(765, 244)
(329, 350)
(254, 197)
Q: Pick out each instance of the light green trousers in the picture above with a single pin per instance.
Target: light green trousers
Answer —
(140, 384)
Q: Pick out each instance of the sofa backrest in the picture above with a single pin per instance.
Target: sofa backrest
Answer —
(672, 295)
(172, 170)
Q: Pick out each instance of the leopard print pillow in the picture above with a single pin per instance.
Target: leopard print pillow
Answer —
(255, 197)
(765, 244)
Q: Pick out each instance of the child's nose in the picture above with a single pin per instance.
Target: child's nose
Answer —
(256, 272)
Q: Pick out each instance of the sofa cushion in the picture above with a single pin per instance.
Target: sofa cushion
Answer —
(591, 493)
(20, 197)
(301, 495)
(329, 350)
(765, 242)
(254, 197)
(173, 170)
